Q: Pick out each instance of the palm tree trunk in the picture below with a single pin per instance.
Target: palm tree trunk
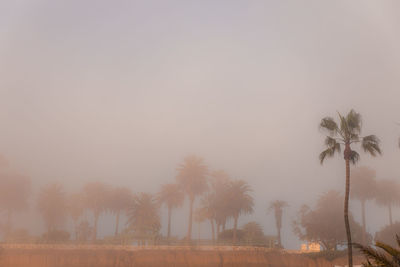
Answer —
(169, 223)
(212, 230)
(117, 223)
(235, 229)
(218, 230)
(9, 216)
(346, 206)
(279, 237)
(189, 233)
(278, 215)
(390, 214)
(76, 229)
(94, 235)
(364, 236)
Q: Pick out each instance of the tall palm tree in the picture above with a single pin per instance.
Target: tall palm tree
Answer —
(96, 196)
(220, 183)
(363, 189)
(387, 195)
(172, 196)
(120, 200)
(207, 211)
(346, 134)
(382, 255)
(143, 217)
(52, 204)
(240, 202)
(192, 176)
(277, 206)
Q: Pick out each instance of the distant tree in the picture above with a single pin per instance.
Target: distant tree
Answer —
(144, 218)
(96, 197)
(387, 195)
(172, 196)
(277, 206)
(220, 182)
(207, 211)
(56, 236)
(192, 176)
(84, 231)
(226, 236)
(120, 200)
(323, 224)
(253, 234)
(75, 207)
(14, 193)
(240, 202)
(364, 188)
(52, 204)
(381, 254)
(346, 134)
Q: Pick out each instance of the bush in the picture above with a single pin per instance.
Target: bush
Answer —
(56, 236)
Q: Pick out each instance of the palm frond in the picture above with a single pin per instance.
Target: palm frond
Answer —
(370, 144)
(394, 253)
(380, 259)
(353, 121)
(354, 157)
(343, 126)
(329, 125)
(333, 147)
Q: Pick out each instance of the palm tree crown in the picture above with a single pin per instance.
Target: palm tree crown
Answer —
(240, 202)
(346, 134)
(172, 196)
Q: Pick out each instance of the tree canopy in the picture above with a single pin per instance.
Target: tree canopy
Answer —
(324, 223)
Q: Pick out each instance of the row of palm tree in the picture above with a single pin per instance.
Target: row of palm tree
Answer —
(222, 199)
(365, 187)
(55, 205)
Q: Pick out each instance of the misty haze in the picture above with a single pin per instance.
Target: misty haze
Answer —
(199, 133)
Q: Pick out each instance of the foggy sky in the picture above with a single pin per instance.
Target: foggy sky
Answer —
(121, 91)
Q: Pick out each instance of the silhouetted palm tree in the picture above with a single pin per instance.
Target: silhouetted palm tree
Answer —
(384, 256)
(277, 206)
(96, 197)
(143, 217)
(52, 204)
(192, 177)
(240, 202)
(172, 196)
(363, 189)
(346, 134)
(120, 200)
(387, 194)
